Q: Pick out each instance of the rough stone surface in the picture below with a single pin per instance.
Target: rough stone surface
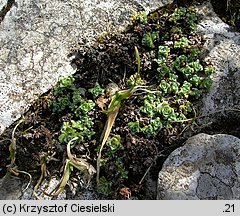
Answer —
(206, 167)
(10, 188)
(36, 37)
(48, 186)
(223, 46)
(151, 5)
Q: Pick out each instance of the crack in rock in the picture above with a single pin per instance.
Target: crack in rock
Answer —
(211, 187)
(214, 174)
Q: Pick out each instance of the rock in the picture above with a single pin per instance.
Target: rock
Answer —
(206, 167)
(47, 186)
(10, 188)
(151, 5)
(36, 38)
(223, 45)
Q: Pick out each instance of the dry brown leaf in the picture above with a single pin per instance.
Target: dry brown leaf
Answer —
(101, 102)
(125, 192)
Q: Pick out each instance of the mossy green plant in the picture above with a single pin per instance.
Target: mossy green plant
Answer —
(70, 98)
(149, 38)
(182, 75)
(96, 90)
(182, 43)
(105, 186)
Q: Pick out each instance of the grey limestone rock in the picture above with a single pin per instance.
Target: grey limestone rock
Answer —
(151, 5)
(223, 46)
(10, 188)
(206, 167)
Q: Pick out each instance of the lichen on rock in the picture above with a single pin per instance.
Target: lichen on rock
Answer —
(206, 167)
